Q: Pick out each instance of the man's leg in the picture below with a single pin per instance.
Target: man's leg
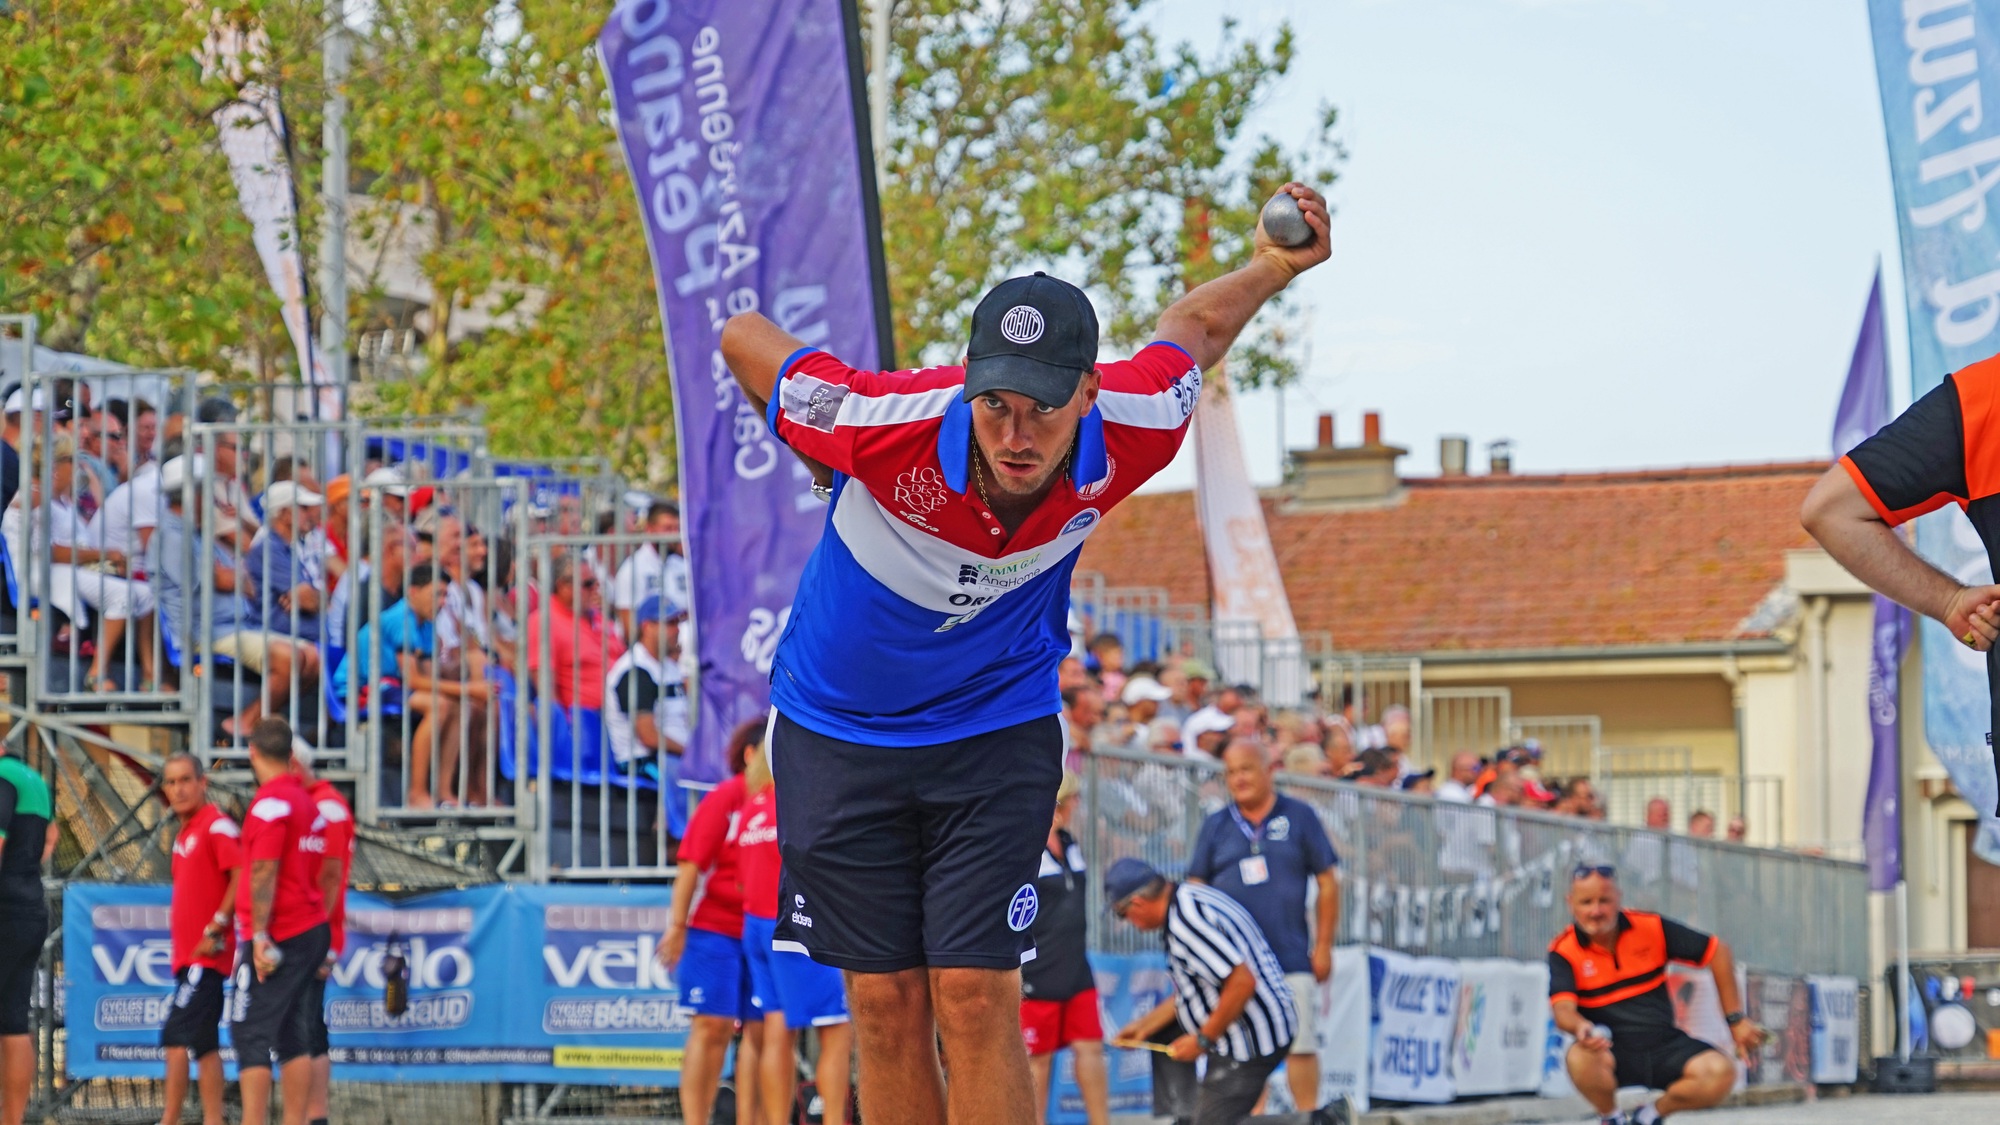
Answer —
(319, 1102)
(749, 1065)
(901, 1083)
(1230, 1089)
(979, 1021)
(295, 1080)
(253, 1084)
(1093, 1080)
(701, 1069)
(177, 1085)
(17, 1076)
(1595, 1076)
(1705, 1081)
(1041, 1068)
(1302, 1074)
(776, 1075)
(208, 1073)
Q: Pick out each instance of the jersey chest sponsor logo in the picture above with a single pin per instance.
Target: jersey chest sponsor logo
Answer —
(760, 829)
(922, 491)
(1278, 829)
(1080, 521)
(186, 846)
(1002, 576)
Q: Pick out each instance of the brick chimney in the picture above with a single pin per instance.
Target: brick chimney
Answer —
(1354, 476)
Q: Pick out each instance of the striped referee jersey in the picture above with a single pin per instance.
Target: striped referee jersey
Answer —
(1208, 935)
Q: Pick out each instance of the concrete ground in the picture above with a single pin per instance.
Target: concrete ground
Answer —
(1931, 1109)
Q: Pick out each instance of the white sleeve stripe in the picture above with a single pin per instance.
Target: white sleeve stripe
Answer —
(1202, 941)
(1160, 410)
(857, 409)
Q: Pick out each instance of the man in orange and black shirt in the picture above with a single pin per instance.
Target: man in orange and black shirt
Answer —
(1608, 986)
(1944, 449)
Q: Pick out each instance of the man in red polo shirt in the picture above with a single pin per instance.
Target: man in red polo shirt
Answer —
(580, 645)
(338, 820)
(281, 928)
(207, 870)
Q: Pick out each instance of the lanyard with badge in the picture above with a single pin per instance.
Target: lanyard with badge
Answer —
(1253, 868)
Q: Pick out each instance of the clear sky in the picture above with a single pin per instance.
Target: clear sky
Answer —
(1619, 232)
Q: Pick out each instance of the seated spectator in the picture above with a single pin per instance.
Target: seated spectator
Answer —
(402, 643)
(234, 628)
(393, 559)
(1738, 831)
(230, 515)
(1339, 742)
(1070, 673)
(1308, 759)
(1396, 728)
(1223, 710)
(1118, 732)
(652, 568)
(646, 713)
(1377, 769)
(1106, 658)
(1175, 681)
(567, 629)
(99, 473)
(334, 528)
(288, 590)
(1143, 697)
(464, 643)
(132, 509)
(1457, 788)
(81, 577)
(1701, 824)
(392, 493)
(1196, 675)
(1083, 709)
(1418, 782)
(1204, 733)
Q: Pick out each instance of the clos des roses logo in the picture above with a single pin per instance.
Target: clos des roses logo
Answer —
(922, 490)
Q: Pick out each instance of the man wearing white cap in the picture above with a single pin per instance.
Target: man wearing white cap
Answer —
(288, 592)
(234, 627)
(392, 490)
(10, 444)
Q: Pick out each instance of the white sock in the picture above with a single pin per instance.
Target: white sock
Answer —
(1647, 1115)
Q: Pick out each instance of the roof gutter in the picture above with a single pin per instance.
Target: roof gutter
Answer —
(1762, 646)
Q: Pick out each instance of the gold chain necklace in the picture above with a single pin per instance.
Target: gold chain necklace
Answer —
(979, 478)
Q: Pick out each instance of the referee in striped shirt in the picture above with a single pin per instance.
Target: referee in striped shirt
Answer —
(1230, 994)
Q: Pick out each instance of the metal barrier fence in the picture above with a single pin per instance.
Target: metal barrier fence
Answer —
(1428, 877)
(609, 718)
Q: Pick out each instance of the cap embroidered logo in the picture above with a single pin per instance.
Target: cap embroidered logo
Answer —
(1022, 324)
(1021, 911)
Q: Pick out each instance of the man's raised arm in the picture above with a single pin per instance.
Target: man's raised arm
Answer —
(1206, 322)
(754, 348)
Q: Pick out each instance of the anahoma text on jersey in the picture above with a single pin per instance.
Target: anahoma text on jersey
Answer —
(918, 619)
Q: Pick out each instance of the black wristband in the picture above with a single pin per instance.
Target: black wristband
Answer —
(1207, 1044)
(1734, 1018)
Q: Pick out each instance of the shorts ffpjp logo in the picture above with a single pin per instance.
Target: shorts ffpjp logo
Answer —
(1022, 324)
(1021, 911)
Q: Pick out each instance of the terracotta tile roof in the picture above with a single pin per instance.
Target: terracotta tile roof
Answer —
(1651, 557)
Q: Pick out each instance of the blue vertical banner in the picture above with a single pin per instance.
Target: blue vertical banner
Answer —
(1865, 408)
(746, 134)
(1938, 62)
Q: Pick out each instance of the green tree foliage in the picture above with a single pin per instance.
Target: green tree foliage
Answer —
(1061, 133)
(1023, 132)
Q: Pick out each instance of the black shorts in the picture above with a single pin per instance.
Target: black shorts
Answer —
(315, 1001)
(903, 856)
(270, 1014)
(23, 929)
(1657, 1063)
(195, 1019)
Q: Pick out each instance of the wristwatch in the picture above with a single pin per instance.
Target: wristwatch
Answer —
(1734, 1018)
(1207, 1044)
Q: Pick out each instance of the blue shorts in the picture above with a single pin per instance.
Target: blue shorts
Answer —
(788, 981)
(714, 977)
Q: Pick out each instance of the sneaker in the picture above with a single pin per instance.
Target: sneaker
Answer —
(1616, 1117)
(1339, 1111)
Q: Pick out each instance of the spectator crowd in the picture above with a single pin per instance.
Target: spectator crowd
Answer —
(1180, 707)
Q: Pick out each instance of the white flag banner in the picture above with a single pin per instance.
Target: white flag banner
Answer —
(251, 130)
(1247, 589)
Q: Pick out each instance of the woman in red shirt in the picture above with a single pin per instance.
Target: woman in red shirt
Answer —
(704, 944)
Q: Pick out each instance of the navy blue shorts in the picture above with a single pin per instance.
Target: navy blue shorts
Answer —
(898, 857)
(194, 1020)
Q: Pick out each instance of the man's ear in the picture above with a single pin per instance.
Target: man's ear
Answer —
(1088, 386)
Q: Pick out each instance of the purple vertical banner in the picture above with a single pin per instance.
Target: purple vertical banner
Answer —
(1864, 408)
(745, 130)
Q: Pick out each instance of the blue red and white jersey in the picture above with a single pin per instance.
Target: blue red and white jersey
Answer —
(919, 619)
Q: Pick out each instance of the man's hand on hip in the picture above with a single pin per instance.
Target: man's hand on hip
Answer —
(1973, 616)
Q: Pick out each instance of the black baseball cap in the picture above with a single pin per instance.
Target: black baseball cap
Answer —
(1034, 335)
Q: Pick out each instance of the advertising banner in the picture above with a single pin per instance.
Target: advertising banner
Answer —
(1698, 1010)
(1415, 1004)
(1128, 985)
(508, 983)
(1836, 1029)
(1783, 1008)
(1340, 1019)
(1503, 1022)
(740, 125)
(1932, 59)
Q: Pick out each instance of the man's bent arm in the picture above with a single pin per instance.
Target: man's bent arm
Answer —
(1327, 909)
(1840, 517)
(1569, 1018)
(1723, 967)
(754, 347)
(1206, 322)
(1237, 989)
